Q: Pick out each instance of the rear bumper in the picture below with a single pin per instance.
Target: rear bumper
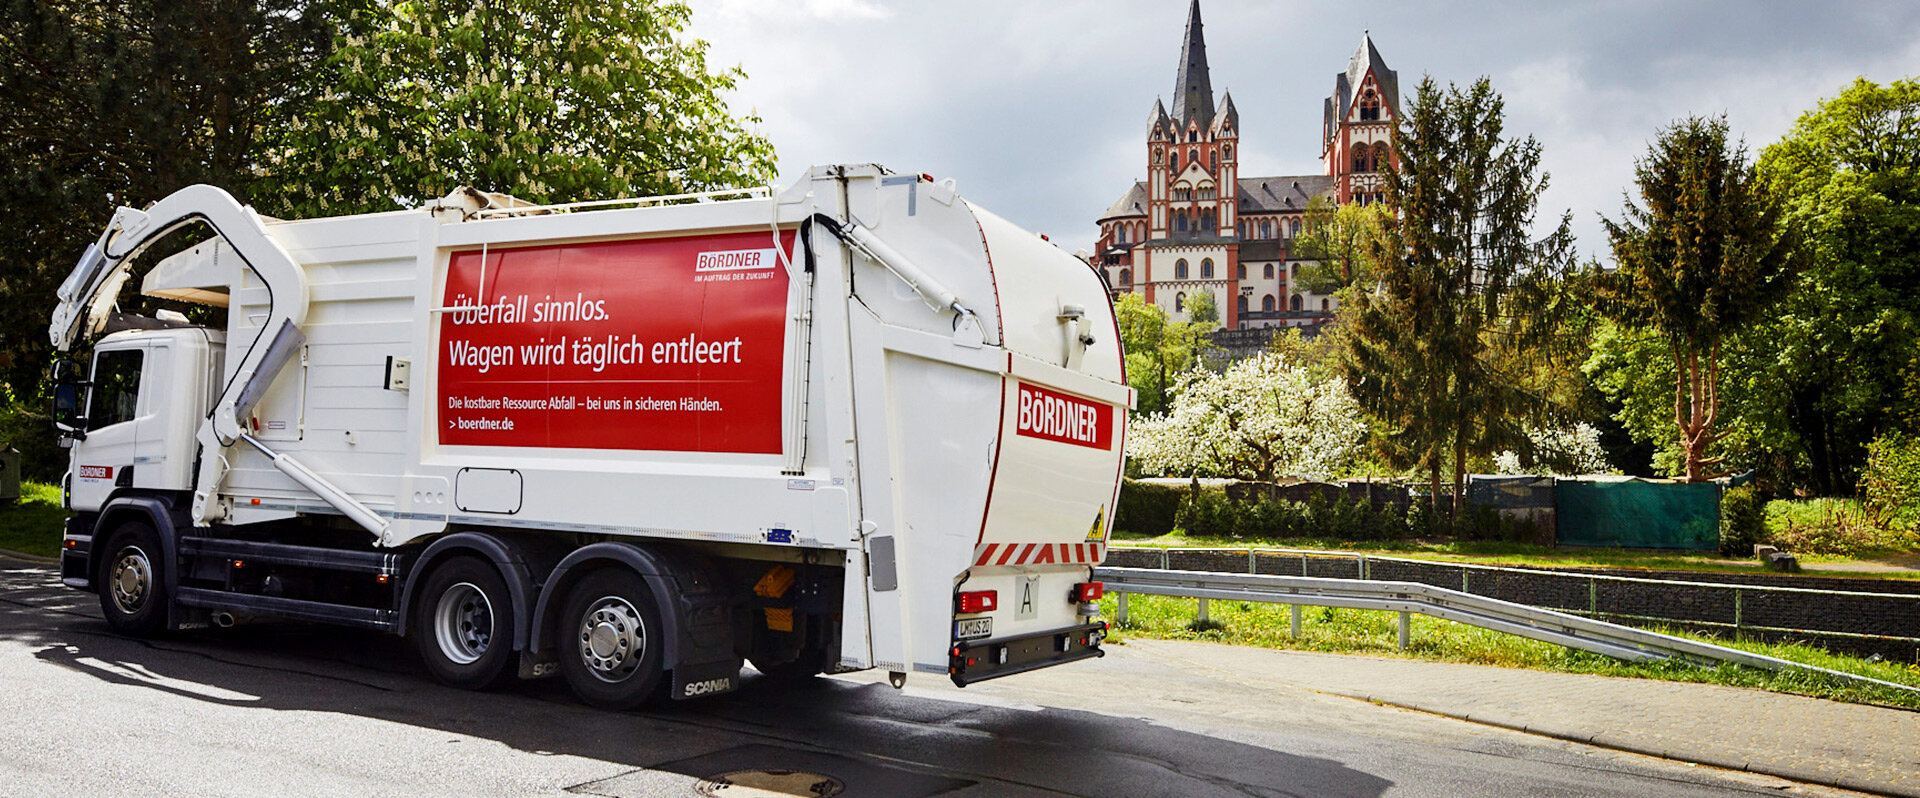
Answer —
(979, 660)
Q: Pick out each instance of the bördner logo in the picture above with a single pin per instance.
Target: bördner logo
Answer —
(738, 260)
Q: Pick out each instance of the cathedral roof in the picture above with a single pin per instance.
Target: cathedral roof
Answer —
(1278, 194)
(1132, 203)
(1192, 91)
(1254, 195)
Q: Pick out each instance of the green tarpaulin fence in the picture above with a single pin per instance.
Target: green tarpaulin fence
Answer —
(1647, 515)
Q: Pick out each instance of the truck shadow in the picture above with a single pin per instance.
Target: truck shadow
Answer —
(875, 740)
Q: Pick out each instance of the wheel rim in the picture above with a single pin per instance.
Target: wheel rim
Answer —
(612, 639)
(463, 623)
(131, 580)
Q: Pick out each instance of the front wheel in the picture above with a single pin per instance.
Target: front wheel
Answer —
(463, 624)
(609, 640)
(132, 584)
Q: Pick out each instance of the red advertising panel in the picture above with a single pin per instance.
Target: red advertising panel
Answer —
(666, 344)
(1059, 417)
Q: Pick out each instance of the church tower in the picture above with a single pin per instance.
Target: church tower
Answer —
(1357, 144)
(1192, 186)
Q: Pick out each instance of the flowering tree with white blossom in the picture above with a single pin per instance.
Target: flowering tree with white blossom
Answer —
(1262, 418)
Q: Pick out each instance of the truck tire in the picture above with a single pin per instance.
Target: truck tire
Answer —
(609, 640)
(463, 624)
(132, 584)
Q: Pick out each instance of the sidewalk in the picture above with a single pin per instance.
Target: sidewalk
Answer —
(1813, 740)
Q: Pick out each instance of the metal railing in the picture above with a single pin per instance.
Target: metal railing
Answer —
(1736, 593)
(1406, 598)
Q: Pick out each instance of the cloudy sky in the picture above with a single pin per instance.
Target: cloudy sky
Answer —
(1039, 109)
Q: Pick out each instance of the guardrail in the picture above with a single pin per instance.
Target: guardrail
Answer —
(1735, 611)
(1572, 631)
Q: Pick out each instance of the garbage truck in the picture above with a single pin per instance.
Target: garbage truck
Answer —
(859, 422)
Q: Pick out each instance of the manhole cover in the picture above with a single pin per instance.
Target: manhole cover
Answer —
(769, 784)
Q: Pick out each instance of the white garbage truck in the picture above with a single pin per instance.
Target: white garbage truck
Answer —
(856, 423)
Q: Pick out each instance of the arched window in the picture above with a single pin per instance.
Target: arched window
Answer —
(1180, 270)
(1267, 273)
(1266, 228)
(1362, 157)
(1242, 273)
(1213, 160)
(1380, 157)
(1241, 228)
(1323, 306)
(1193, 155)
(1296, 302)
(1126, 277)
(1370, 107)
(1180, 220)
(1175, 163)
(1296, 228)
(1159, 157)
(1266, 303)
(1243, 304)
(1180, 302)
(1227, 150)
(1206, 268)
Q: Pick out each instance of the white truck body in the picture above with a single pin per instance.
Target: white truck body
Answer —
(929, 399)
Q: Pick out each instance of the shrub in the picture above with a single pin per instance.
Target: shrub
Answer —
(1208, 513)
(1831, 526)
(1145, 509)
(1743, 520)
(1890, 484)
(30, 431)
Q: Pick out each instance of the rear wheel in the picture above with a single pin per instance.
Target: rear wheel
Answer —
(132, 584)
(463, 624)
(609, 640)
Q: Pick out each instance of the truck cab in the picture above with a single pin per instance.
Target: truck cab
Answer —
(144, 394)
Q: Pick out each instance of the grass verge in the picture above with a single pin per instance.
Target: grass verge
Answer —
(1373, 633)
(33, 524)
(1498, 553)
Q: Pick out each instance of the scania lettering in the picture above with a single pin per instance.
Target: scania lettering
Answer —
(638, 445)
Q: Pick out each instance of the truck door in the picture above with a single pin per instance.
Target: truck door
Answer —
(113, 426)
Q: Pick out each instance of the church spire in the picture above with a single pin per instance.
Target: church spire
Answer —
(1192, 91)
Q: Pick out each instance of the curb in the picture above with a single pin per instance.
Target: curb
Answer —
(1788, 773)
(9, 554)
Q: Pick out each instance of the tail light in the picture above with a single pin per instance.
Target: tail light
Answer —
(1089, 592)
(979, 601)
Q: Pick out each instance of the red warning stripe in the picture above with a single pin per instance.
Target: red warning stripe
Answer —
(1038, 553)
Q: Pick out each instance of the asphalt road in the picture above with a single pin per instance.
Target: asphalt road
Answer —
(298, 710)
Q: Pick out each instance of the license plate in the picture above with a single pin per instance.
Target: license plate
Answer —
(972, 628)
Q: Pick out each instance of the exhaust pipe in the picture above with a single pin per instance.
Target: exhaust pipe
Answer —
(223, 620)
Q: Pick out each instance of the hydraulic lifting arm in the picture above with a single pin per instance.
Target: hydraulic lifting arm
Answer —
(89, 293)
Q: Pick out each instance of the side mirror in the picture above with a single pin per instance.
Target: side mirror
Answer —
(66, 410)
(67, 371)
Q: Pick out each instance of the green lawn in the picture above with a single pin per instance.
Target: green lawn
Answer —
(1374, 633)
(33, 524)
(1497, 553)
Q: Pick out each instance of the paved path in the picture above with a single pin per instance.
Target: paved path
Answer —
(1812, 740)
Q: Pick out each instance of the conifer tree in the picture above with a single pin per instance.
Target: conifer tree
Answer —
(1464, 296)
(1703, 259)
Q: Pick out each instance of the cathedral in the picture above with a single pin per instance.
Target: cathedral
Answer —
(1196, 225)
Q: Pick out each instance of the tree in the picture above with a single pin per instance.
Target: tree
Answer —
(1848, 336)
(1704, 258)
(1441, 349)
(1339, 238)
(1157, 350)
(547, 100)
(1202, 308)
(1262, 418)
(121, 102)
